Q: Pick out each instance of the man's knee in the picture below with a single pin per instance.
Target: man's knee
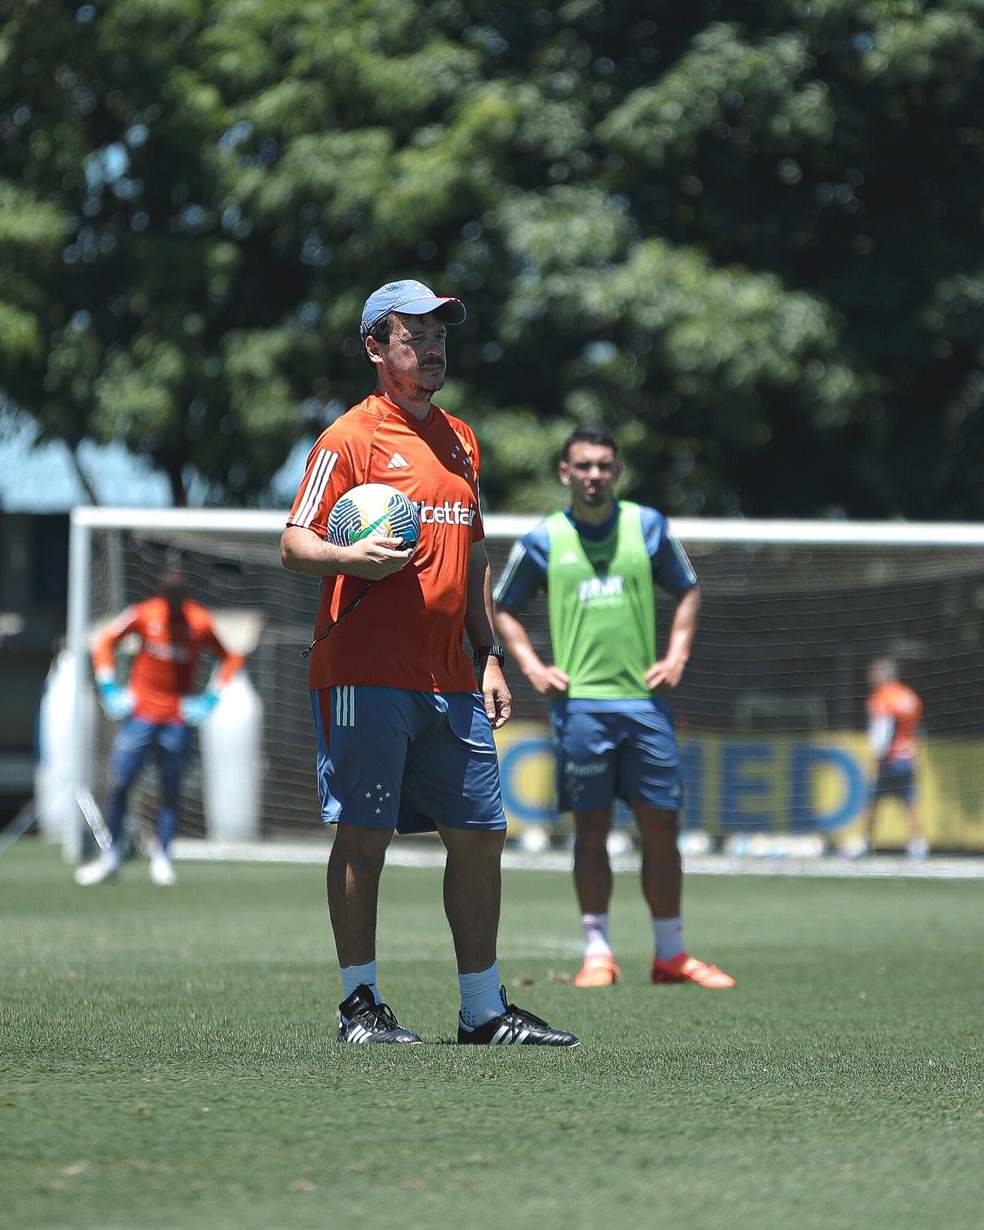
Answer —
(591, 830)
(473, 845)
(658, 827)
(361, 846)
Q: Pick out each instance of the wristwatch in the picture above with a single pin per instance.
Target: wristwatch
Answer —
(488, 651)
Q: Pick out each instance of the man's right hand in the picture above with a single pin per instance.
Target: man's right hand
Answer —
(549, 681)
(375, 558)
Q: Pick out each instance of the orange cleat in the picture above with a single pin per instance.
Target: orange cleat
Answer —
(683, 968)
(599, 971)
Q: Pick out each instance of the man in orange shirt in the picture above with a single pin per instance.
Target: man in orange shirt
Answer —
(156, 709)
(894, 717)
(403, 715)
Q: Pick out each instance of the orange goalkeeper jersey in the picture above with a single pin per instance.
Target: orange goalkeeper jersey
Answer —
(408, 630)
(163, 670)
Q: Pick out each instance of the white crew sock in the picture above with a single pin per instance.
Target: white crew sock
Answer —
(481, 996)
(596, 935)
(668, 934)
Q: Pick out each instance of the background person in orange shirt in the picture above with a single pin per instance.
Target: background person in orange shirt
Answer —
(894, 720)
(156, 709)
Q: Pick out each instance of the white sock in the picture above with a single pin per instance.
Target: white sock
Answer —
(481, 996)
(668, 933)
(596, 935)
(358, 976)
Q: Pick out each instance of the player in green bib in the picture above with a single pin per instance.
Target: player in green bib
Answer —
(599, 562)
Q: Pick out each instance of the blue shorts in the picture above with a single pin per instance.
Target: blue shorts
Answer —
(606, 752)
(393, 758)
(896, 780)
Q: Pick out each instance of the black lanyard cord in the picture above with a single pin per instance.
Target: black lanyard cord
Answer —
(341, 615)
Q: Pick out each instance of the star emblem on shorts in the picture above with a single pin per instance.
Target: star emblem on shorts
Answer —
(381, 796)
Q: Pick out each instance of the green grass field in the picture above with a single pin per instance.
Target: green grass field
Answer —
(167, 1059)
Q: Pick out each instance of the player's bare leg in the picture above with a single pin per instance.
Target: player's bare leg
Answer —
(868, 827)
(593, 885)
(592, 868)
(917, 847)
(472, 900)
(662, 867)
(864, 843)
(354, 868)
(662, 886)
(473, 894)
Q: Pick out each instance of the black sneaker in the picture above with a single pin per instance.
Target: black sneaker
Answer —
(363, 1020)
(516, 1027)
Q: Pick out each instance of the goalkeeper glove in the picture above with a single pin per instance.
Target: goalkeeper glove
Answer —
(195, 709)
(117, 702)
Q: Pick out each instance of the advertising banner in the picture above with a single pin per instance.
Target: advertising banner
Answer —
(744, 783)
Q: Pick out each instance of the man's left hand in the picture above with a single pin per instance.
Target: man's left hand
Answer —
(495, 692)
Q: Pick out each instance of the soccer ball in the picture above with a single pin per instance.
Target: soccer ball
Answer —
(374, 509)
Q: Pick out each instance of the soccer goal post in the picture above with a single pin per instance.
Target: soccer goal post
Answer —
(770, 714)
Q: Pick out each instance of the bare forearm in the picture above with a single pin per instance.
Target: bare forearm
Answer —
(517, 642)
(665, 674)
(478, 612)
(683, 630)
(548, 680)
(304, 551)
(480, 631)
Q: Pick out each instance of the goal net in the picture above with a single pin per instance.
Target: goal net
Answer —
(770, 715)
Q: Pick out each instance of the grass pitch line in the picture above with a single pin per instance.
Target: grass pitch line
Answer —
(409, 853)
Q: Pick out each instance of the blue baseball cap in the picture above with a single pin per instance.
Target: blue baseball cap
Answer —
(414, 299)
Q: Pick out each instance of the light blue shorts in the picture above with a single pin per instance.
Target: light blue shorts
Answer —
(606, 752)
(393, 758)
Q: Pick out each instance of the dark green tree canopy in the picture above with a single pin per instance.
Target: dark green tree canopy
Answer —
(747, 236)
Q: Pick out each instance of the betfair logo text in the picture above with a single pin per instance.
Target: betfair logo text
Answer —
(447, 513)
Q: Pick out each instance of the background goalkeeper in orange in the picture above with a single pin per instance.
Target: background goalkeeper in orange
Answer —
(156, 709)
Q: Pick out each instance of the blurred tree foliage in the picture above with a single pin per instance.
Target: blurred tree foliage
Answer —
(745, 235)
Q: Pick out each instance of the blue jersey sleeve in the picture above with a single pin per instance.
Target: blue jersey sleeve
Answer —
(672, 569)
(525, 571)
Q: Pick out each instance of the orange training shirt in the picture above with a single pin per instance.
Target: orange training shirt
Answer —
(163, 670)
(408, 630)
(900, 703)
